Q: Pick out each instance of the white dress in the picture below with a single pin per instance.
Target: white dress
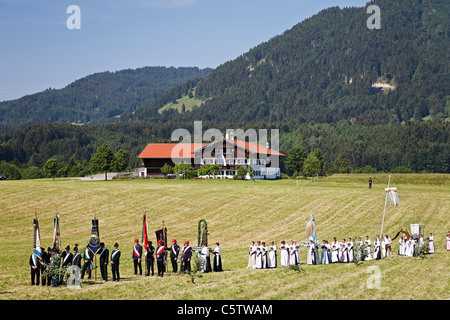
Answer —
(350, 251)
(272, 261)
(292, 256)
(251, 257)
(367, 245)
(284, 255)
(409, 250)
(334, 252)
(264, 250)
(430, 244)
(259, 255)
(401, 247)
(343, 252)
(376, 248)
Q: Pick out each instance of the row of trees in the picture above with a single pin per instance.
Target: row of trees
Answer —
(103, 161)
(301, 163)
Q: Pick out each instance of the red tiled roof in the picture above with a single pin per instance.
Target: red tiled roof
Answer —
(164, 150)
(186, 150)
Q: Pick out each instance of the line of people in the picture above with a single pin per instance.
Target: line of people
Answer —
(175, 257)
(261, 256)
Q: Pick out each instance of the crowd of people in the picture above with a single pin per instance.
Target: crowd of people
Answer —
(261, 256)
(54, 267)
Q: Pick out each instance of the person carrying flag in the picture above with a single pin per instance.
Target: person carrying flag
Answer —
(160, 258)
(150, 259)
(35, 265)
(88, 265)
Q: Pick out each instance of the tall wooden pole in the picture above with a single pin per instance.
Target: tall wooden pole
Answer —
(385, 201)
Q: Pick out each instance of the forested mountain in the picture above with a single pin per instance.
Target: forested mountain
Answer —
(97, 97)
(323, 70)
(319, 83)
(416, 145)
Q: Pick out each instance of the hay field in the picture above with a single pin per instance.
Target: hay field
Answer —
(236, 212)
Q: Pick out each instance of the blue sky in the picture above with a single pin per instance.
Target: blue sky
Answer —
(38, 51)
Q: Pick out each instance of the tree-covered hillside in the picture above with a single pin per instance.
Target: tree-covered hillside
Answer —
(323, 70)
(97, 97)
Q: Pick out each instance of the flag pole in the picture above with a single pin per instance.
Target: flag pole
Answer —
(95, 254)
(145, 244)
(165, 251)
(385, 202)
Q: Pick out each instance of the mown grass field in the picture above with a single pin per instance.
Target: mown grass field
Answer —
(236, 212)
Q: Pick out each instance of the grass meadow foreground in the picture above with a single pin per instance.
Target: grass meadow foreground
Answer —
(237, 212)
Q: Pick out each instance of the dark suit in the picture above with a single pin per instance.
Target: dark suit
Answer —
(45, 279)
(160, 259)
(186, 255)
(66, 261)
(137, 258)
(115, 258)
(104, 259)
(76, 260)
(87, 263)
(174, 251)
(150, 260)
(35, 269)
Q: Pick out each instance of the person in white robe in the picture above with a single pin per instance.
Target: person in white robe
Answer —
(205, 252)
(292, 255)
(259, 256)
(252, 255)
(264, 250)
(334, 251)
(350, 250)
(359, 246)
(447, 246)
(284, 253)
(409, 250)
(430, 243)
(324, 257)
(376, 248)
(297, 252)
(388, 246)
(272, 261)
(367, 245)
(343, 251)
(217, 261)
(383, 247)
(310, 255)
(401, 246)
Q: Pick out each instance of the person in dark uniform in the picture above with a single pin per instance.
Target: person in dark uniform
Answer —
(174, 251)
(104, 259)
(160, 258)
(55, 262)
(46, 255)
(136, 256)
(115, 258)
(76, 260)
(150, 259)
(186, 255)
(66, 260)
(35, 269)
(370, 183)
(87, 258)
